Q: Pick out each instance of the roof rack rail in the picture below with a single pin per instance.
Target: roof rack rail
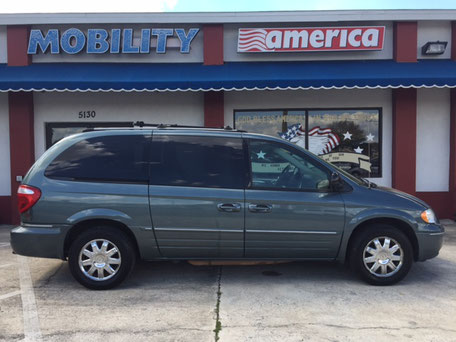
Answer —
(143, 124)
(127, 125)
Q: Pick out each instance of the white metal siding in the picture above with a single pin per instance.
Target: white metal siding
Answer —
(433, 140)
(3, 50)
(5, 171)
(431, 31)
(180, 108)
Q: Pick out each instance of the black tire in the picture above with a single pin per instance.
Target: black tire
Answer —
(366, 238)
(115, 238)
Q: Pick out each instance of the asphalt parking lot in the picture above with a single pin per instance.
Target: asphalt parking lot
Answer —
(164, 301)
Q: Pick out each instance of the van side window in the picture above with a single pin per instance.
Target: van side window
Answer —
(212, 162)
(275, 166)
(116, 158)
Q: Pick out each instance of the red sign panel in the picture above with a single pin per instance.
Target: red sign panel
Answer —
(311, 39)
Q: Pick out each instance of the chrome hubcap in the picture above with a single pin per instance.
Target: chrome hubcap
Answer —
(99, 259)
(383, 256)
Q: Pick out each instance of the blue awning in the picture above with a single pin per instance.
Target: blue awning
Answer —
(230, 76)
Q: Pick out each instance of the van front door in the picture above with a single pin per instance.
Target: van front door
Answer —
(290, 210)
(196, 195)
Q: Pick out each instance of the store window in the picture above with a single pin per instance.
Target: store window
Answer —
(348, 138)
(56, 131)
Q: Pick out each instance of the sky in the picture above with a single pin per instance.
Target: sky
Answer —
(87, 6)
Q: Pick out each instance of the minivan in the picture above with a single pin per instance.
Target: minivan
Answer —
(104, 198)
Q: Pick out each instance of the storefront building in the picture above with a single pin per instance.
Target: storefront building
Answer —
(372, 91)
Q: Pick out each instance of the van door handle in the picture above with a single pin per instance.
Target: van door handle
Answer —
(229, 207)
(260, 208)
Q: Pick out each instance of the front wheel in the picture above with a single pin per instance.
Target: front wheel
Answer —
(101, 258)
(381, 255)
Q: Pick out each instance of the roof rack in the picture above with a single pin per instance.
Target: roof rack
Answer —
(143, 124)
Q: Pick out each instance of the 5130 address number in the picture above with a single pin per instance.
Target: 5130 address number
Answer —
(87, 114)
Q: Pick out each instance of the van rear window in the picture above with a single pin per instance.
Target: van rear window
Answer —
(116, 158)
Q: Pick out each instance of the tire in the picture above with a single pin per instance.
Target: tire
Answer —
(112, 262)
(373, 262)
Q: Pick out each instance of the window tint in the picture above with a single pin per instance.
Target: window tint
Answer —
(198, 161)
(277, 167)
(109, 158)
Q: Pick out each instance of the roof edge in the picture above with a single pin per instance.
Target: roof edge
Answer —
(226, 17)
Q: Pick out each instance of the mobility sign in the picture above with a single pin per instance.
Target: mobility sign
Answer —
(357, 38)
(101, 41)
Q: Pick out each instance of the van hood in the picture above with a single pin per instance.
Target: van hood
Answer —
(403, 195)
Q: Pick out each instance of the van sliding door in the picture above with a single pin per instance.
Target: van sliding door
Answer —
(196, 195)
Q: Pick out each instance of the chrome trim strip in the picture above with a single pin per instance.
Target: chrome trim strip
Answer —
(441, 233)
(291, 232)
(37, 225)
(200, 230)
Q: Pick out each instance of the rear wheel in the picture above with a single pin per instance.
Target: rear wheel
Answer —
(101, 258)
(381, 255)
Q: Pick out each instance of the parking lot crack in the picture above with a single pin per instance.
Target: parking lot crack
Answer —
(49, 278)
(218, 323)
(339, 326)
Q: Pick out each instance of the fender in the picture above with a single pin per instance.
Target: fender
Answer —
(373, 213)
(144, 236)
(100, 213)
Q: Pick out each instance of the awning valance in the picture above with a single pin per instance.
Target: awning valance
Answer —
(230, 76)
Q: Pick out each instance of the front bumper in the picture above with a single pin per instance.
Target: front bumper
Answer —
(42, 242)
(430, 241)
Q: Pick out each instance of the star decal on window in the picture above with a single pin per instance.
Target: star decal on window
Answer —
(358, 150)
(370, 137)
(261, 155)
(347, 135)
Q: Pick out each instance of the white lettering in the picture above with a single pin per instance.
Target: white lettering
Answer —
(317, 39)
(352, 38)
(330, 35)
(294, 37)
(343, 38)
(274, 40)
(370, 37)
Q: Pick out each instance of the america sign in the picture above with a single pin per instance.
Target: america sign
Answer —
(357, 38)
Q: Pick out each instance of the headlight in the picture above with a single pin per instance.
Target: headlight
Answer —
(428, 216)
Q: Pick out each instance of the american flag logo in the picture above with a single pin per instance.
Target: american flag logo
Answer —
(252, 40)
(321, 140)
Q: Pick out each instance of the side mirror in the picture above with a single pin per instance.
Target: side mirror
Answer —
(336, 182)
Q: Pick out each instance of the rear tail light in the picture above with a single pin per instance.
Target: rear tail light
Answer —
(27, 196)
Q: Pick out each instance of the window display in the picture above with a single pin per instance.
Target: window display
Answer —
(348, 138)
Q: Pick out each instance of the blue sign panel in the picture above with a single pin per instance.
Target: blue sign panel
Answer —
(101, 41)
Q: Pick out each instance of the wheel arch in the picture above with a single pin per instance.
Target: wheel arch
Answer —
(403, 226)
(85, 225)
